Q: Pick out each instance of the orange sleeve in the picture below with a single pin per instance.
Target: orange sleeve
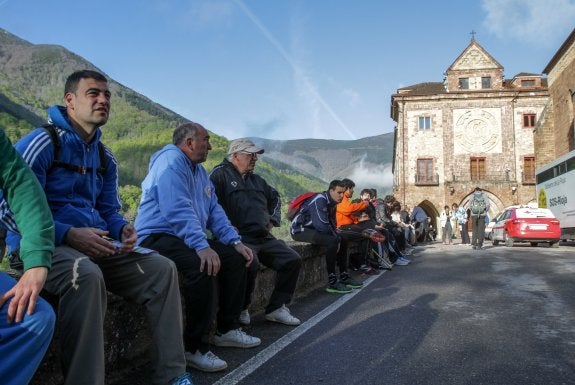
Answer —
(344, 210)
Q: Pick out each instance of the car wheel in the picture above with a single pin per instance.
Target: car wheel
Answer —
(553, 244)
(508, 241)
(534, 244)
(495, 242)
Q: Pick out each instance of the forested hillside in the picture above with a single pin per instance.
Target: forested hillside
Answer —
(32, 78)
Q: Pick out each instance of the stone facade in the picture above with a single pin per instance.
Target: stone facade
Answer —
(473, 129)
(555, 133)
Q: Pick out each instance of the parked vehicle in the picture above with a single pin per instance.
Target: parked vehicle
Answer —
(556, 191)
(526, 224)
(489, 227)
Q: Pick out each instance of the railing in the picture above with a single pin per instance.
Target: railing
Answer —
(493, 177)
(427, 180)
(433, 180)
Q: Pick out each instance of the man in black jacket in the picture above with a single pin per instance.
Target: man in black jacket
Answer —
(254, 208)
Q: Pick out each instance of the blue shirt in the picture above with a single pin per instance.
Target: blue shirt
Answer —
(178, 198)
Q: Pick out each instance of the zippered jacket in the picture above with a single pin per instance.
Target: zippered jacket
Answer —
(345, 209)
(249, 202)
(178, 198)
(317, 213)
(76, 199)
(27, 212)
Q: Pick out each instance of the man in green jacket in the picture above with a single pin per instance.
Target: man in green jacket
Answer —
(26, 320)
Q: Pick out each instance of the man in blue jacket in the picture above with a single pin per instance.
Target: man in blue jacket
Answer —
(178, 209)
(315, 224)
(95, 245)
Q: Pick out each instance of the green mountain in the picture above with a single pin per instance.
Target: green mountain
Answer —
(32, 78)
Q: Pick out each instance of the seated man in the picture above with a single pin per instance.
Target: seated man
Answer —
(315, 224)
(177, 209)
(95, 245)
(254, 208)
(26, 320)
(348, 215)
(420, 222)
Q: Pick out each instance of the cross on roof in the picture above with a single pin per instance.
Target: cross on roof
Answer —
(472, 33)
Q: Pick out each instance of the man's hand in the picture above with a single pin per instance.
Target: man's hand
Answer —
(25, 293)
(90, 241)
(210, 260)
(129, 239)
(246, 252)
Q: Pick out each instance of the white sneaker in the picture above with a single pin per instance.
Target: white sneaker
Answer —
(207, 362)
(283, 316)
(245, 318)
(236, 338)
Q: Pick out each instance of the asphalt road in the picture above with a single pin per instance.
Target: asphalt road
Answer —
(454, 316)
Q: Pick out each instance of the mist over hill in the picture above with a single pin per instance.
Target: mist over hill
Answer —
(366, 161)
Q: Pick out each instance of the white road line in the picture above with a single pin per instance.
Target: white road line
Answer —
(262, 357)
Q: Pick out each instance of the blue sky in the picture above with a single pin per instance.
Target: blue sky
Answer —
(287, 69)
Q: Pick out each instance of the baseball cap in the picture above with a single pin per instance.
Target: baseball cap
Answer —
(245, 145)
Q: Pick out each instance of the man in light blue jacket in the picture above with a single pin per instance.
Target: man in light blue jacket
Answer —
(179, 216)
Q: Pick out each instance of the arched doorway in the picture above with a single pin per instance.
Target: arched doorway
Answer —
(431, 212)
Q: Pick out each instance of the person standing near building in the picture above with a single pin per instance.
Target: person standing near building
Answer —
(179, 215)
(94, 244)
(446, 229)
(461, 220)
(478, 205)
(26, 320)
(254, 208)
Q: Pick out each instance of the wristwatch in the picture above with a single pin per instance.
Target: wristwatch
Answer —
(236, 242)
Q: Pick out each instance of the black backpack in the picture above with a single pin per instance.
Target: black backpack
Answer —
(51, 130)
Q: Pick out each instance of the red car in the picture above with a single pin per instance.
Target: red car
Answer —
(525, 224)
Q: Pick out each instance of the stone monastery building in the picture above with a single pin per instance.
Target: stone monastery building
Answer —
(473, 129)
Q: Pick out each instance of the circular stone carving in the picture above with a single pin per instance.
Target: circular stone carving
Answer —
(477, 131)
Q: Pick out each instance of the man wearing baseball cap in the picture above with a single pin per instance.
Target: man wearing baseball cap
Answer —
(254, 208)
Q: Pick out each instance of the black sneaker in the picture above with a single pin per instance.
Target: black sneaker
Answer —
(338, 288)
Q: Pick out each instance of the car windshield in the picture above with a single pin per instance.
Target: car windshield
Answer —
(534, 213)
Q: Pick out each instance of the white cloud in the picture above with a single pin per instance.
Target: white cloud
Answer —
(536, 22)
(379, 177)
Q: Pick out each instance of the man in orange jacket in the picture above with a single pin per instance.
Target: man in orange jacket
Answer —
(345, 209)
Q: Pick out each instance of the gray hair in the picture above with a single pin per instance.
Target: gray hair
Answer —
(185, 130)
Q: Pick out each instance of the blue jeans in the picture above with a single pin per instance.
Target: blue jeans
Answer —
(23, 345)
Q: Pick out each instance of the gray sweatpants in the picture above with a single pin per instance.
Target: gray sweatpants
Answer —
(81, 283)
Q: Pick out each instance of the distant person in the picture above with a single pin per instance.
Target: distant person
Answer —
(446, 229)
(420, 222)
(400, 219)
(26, 320)
(346, 208)
(315, 224)
(254, 208)
(352, 218)
(177, 210)
(430, 232)
(386, 226)
(461, 218)
(95, 245)
(479, 205)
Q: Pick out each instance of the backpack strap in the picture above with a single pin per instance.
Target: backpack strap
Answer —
(51, 130)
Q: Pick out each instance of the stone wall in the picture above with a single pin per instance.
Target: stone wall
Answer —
(126, 334)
